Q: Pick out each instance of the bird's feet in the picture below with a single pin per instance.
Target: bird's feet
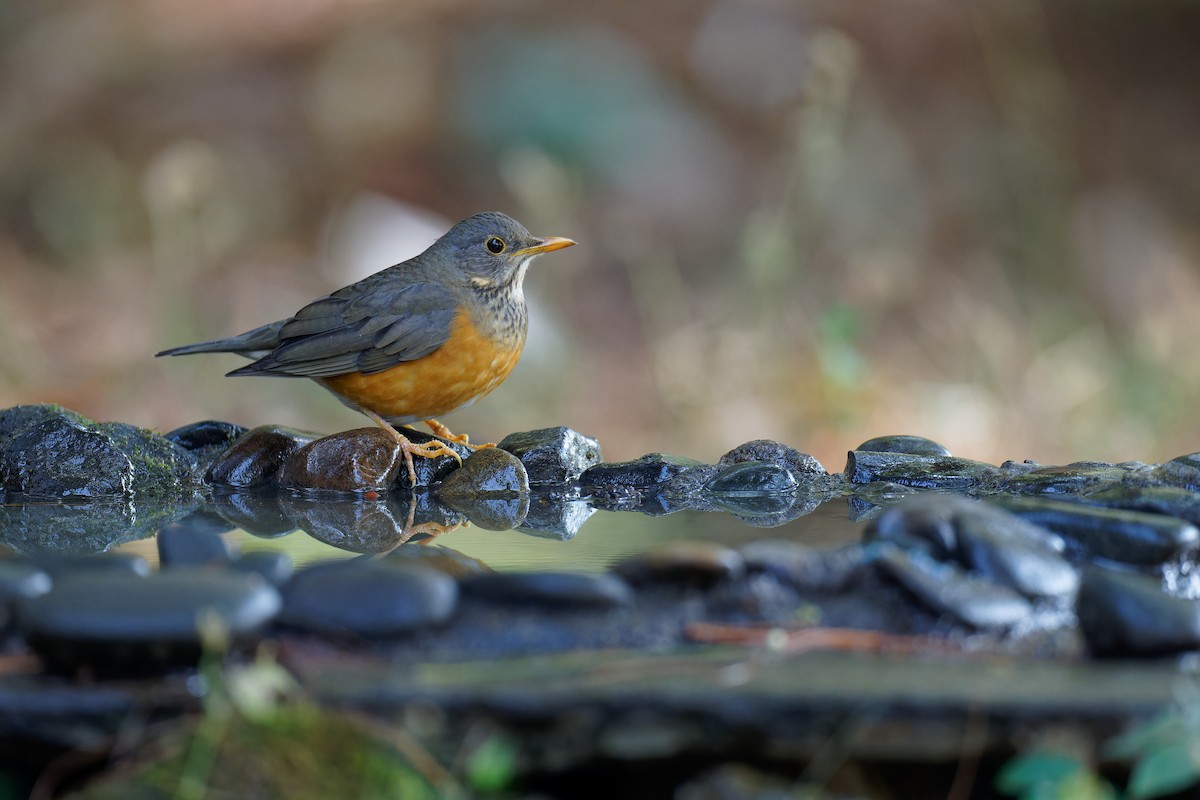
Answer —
(442, 431)
(431, 449)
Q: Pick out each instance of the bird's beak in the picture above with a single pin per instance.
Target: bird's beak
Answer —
(547, 245)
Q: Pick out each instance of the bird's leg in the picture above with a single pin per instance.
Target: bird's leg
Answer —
(441, 430)
(427, 450)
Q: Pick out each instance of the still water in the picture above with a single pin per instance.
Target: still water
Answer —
(315, 530)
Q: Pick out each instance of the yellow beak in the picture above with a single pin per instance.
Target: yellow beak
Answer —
(547, 245)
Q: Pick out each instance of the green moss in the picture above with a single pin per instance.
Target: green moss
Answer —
(299, 752)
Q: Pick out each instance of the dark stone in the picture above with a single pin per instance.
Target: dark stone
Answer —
(926, 521)
(1129, 537)
(684, 561)
(257, 513)
(113, 622)
(205, 440)
(1032, 564)
(206, 434)
(256, 457)
(548, 590)
(651, 470)
(983, 538)
(274, 567)
(439, 557)
(1069, 479)
(803, 567)
(911, 445)
(431, 470)
(53, 453)
(17, 418)
(368, 599)
(47, 528)
(350, 462)
(360, 526)
(752, 477)
(1128, 614)
(949, 590)
(553, 455)
(1170, 500)
(491, 513)
(921, 472)
(689, 484)
(768, 510)
(19, 579)
(552, 518)
(1183, 472)
(183, 545)
(60, 566)
(801, 465)
(488, 472)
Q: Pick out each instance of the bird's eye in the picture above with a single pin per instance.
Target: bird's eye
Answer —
(495, 245)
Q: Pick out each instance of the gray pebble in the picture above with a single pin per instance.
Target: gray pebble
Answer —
(552, 455)
(368, 599)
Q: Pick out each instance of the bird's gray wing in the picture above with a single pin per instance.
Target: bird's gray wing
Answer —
(362, 328)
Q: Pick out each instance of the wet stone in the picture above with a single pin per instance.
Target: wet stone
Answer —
(63, 455)
(368, 599)
(431, 470)
(801, 465)
(59, 566)
(488, 471)
(438, 557)
(205, 440)
(552, 518)
(949, 590)
(273, 567)
(911, 445)
(651, 470)
(114, 622)
(19, 579)
(183, 545)
(256, 457)
(1069, 479)
(1032, 563)
(982, 538)
(256, 513)
(548, 590)
(1129, 537)
(750, 478)
(552, 455)
(90, 527)
(355, 461)
(205, 434)
(921, 472)
(768, 510)
(360, 526)
(1169, 500)
(490, 513)
(802, 567)
(682, 562)
(1129, 614)
(1183, 472)
(686, 487)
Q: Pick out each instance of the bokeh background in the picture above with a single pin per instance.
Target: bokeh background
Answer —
(811, 221)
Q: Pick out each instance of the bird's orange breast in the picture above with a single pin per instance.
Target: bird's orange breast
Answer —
(465, 368)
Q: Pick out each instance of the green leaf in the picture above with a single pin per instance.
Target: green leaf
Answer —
(1028, 771)
(491, 766)
(1164, 771)
(1161, 731)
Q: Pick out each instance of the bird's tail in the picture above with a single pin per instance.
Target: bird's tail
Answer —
(251, 343)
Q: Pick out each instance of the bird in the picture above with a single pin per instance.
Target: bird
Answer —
(415, 341)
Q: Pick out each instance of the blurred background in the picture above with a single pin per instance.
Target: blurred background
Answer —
(811, 221)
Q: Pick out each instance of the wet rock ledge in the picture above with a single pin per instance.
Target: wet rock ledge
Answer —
(1082, 561)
